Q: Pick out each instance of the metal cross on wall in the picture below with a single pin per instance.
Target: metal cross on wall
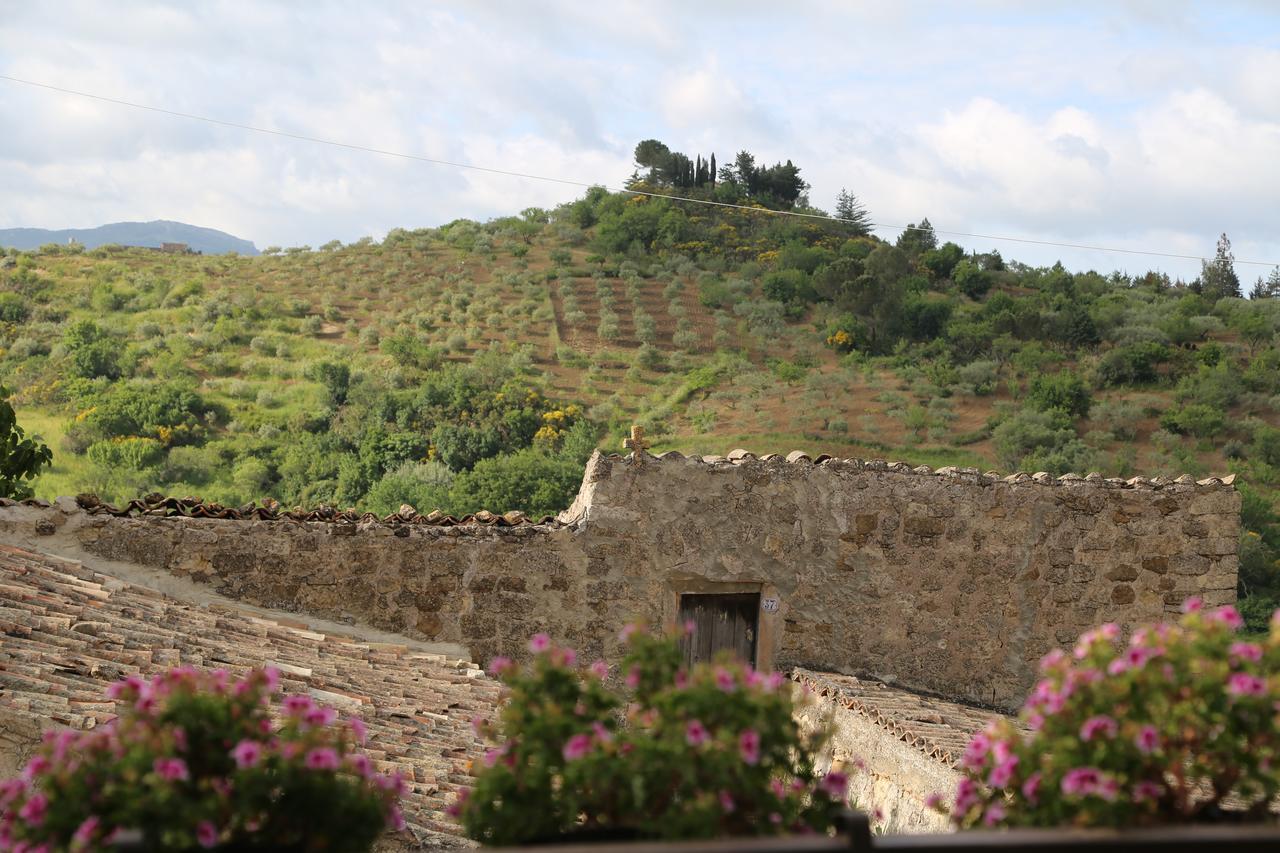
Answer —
(636, 444)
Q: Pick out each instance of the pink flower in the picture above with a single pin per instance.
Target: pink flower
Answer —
(320, 716)
(539, 643)
(1147, 740)
(206, 834)
(726, 802)
(696, 734)
(975, 754)
(1089, 780)
(358, 730)
(1035, 721)
(633, 678)
(933, 802)
(749, 746)
(599, 669)
(271, 679)
(84, 833)
(1194, 604)
(1002, 773)
(455, 808)
(1052, 660)
(1244, 684)
(1098, 725)
(360, 763)
(993, 815)
(1229, 616)
(298, 706)
(627, 631)
(1251, 652)
(966, 796)
(37, 765)
(247, 753)
(681, 679)
(1147, 790)
(775, 818)
(725, 680)
(34, 809)
(499, 665)
(323, 758)
(689, 627)
(171, 769)
(1031, 788)
(566, 657)
(396, 818)
(835, 784)
(577, 747)
(774, 681)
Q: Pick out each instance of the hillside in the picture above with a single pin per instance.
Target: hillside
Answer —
(142, 234)
(476, 365)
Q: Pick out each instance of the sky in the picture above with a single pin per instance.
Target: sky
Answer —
(1151, 125)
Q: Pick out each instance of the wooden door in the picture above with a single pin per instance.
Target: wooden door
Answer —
(721, 621)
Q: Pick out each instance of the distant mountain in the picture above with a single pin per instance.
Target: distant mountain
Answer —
(149, 234)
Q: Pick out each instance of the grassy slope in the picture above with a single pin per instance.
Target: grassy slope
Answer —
(465, 300)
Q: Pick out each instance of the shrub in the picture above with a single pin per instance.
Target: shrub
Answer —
(1195, 419)
(21, 458)
(1134, 364)
(1064, 391)
(972, 280)
(194, 761)
(979, 376)
(1163, 729)
(705, 752)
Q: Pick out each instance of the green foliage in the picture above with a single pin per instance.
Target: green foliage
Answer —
(973, 281)
(1195, 419)
(530, 480)
(1135, 364)
(1064, 391)
(13, 308)
(1041, 441)
(21, 458)
(706, 753)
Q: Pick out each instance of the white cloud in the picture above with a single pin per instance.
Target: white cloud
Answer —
(1134, 125)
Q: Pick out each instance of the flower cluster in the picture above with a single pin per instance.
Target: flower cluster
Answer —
(194, 761)
(684, 753)
(1162, 728)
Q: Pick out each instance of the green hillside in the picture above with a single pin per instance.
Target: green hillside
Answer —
(476, 365)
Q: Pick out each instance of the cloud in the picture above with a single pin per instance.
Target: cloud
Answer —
(1139, 125)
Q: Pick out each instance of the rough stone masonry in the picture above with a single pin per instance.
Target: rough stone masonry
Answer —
(951, 581)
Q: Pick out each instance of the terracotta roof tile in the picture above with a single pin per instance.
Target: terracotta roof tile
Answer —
(937, 727)
(67, 631)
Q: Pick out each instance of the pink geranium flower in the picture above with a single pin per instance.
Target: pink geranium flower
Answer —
(1147, 740)
(323, 758)
(206, 834)
(1098, 725)
(296, 705)
(1031, 788)
(1194, 604)
(725, 680)
(1147, 790)
(599, 669)
(1229, 616)
(726, 802)
(539, 643)
(749, 746)
(34, 810)
(835, 784)
(171, 769)
(1002, 773)
(577, 747)
(696, 734)
(85, 832)
(1251, 652)
(1244, 684)
(499, 665)
(247, 753)
(358, 730)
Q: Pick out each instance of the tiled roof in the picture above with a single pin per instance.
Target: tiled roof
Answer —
(937, 727)
(968, 475)
(67, 631)
(159, 505)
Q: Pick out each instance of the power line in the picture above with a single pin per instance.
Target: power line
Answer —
(513, 174)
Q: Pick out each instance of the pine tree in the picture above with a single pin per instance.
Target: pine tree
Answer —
(1218, 278)
(711, 170)
(855, 216)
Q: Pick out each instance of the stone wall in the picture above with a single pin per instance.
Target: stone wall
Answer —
(951, 581)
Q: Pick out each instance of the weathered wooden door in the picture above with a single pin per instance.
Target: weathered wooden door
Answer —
(721, 621)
